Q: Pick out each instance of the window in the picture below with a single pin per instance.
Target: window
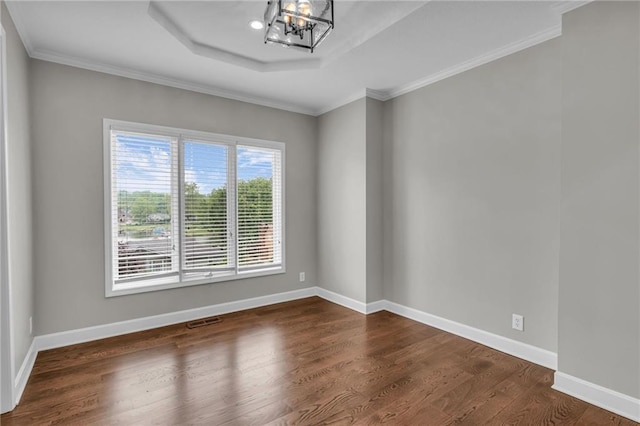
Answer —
(186, 208)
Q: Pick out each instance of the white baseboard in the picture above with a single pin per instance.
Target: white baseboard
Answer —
(512, 347)
(82, 335)
(608, 399)
(25, 371)
(616, 402)
(376, 306)
(345, 301)
(88, 334)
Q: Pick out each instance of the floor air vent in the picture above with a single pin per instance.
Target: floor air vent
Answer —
(203, 321)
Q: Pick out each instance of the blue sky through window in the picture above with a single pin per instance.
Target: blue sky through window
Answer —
(143, 163)
(254, 162)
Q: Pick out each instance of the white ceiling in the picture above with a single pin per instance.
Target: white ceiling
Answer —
(383, 48)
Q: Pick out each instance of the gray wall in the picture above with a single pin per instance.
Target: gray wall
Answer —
(599, 321)
(19, 192)
(342, 200)
(375, 244)
(68, 187)
(350, 245)
(457, 187)
(472, 193)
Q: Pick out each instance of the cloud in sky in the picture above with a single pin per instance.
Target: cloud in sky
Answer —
(255, 162)
(144, 163)
(206, 165)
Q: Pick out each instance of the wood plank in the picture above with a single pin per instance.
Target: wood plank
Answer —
(303, 362)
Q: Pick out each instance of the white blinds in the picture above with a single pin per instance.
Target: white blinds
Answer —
(190, 207)
(259, 200)
(142, 202)
(206, 222)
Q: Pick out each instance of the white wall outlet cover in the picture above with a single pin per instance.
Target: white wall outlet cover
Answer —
(302, 277)
(517, 322)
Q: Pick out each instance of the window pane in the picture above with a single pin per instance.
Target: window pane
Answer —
(185, 208)
(206, 228)
(142, 205)
(259, 192)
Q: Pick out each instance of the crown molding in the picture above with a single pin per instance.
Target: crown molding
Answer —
(342, 102)
(167, 81)
(363, 93)
(14, 11)
(563, 7)
(381, 95)
(377, 95)
(493, 55)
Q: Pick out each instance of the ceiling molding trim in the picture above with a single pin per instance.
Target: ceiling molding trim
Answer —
(167, 81)
(215, 53)
(365, 93)
(563, 7)
(377, 95)
(335, 105)
(493, 55)
(16, 16)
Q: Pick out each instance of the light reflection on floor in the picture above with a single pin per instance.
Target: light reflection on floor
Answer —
(235, 370)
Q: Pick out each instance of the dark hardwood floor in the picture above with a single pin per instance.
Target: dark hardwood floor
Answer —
(304, 362)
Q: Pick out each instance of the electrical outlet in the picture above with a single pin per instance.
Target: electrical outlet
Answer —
(517, 322)
(30, 325)
(302, 278)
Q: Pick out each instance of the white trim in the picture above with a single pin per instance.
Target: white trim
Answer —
(25, 371)
(376, 94)
(177, 137)
(509, 49)
(560, 7)
(166, 81)
(563, 7)
(7, 356)
(366, 93)
(88, 334)
(342, 102)
(527, 42)
(491, 56)
(377, 306)
(512, 347)
(16, 16)
(602, 397)
(341, 300)
(608, 399)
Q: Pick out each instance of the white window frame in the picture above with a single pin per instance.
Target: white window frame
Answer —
(177, 280)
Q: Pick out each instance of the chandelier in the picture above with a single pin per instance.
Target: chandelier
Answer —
(298, 23)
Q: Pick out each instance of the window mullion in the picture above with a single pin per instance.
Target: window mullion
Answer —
(277, 209)
(178, 197)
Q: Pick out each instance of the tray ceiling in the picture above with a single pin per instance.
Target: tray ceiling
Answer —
(383, 48)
